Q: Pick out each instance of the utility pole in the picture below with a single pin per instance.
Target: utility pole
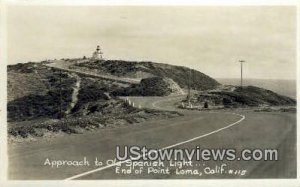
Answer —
(242, 61)
(60, 94)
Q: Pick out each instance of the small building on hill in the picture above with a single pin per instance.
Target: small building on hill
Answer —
(97, 55)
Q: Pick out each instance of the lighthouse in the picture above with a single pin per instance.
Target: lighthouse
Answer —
(97, 55)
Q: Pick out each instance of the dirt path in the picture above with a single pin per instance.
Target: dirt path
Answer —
(76, 89)
(64, 65)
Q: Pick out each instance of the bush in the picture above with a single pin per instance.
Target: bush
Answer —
(205, 105)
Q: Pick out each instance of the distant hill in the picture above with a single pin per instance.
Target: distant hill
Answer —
(132, 69)
(282, 87)
(247, 96)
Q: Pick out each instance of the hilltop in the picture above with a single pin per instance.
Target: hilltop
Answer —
(183, 76)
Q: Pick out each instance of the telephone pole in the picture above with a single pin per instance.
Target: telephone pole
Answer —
(60, 95)
(242, 61)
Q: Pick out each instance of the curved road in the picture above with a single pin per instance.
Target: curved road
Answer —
(209, 130)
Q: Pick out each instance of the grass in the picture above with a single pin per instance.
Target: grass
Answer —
(48, 91)
(248, 96)
(154, 86)
(45, 97)
(108, 115)
(181, 75)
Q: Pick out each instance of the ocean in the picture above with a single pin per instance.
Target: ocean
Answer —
(282, 87)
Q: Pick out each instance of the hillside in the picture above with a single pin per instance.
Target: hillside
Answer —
(131, 69)
(36, 91)
(72, 94)
(45, 99)
(37, 79)
(152, 86)
(248, 96)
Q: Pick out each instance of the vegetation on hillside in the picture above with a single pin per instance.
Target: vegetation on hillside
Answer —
(47, 94)
(248, 96)
(113, 113)
(181, 75)
(153, 86)
(39, 96)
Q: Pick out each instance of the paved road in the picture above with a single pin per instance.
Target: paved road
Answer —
(257, 130)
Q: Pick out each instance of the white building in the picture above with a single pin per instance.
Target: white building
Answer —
(97, 55)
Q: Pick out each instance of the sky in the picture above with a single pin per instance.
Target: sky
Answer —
(206, 38)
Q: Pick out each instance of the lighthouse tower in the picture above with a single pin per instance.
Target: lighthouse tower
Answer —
(97, 55)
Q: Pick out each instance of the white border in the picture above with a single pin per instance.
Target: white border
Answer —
(153, 2)
(3, 96)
